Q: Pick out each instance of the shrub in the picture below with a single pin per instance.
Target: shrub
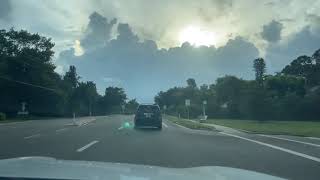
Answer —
(2, 116)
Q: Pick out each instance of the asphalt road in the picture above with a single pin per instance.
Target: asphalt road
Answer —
(103, 139)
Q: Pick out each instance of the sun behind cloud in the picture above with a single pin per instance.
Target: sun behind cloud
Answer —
(197, 36)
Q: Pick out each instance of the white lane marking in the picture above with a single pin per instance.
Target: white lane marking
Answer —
(183, 127)
(87, 146)
(32, 136)
(311, 144)
(275, 147)
(165, 125)
(63, 129)
(314, 138)
(13, 123)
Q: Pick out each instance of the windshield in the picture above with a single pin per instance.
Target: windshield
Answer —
(165, 83)
(148, 109)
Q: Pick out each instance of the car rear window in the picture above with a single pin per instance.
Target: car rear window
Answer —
(148, 109)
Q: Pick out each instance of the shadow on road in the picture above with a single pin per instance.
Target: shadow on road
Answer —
(147, 129)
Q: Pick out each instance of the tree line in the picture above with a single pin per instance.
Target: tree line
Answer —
(292, 94)
(27, 76)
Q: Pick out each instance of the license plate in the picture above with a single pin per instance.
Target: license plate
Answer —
(148, 115)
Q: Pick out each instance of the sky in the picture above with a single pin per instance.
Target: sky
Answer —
(148, 46)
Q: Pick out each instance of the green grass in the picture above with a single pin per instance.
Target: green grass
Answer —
(189, 124)
(299, 128)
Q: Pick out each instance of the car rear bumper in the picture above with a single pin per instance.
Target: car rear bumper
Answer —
(147, 122)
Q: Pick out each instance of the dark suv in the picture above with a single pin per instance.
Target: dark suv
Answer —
(148, 116)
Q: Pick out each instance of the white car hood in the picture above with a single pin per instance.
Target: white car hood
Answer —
(50, 168)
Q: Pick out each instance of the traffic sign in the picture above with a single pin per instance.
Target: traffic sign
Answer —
(187, 102)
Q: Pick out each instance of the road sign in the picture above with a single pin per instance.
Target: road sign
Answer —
(204, 102)
(165, 107)
(23, 109)
(187, 102)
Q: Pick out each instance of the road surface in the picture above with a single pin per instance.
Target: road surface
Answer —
(103, 139)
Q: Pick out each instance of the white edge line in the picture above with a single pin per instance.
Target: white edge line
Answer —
(164, 125)
(314, 138)
(182, 126)
(311, 144)
(87, 146)
(32, 136)
(276, 147)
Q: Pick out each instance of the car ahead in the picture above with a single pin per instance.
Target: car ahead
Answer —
(148, 116)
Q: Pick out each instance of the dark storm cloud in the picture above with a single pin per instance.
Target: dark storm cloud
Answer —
(272, 31)
(303, 43)
(5, 9)
(143, 70)
(98, 31)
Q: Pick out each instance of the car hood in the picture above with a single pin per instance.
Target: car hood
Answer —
(50, 168)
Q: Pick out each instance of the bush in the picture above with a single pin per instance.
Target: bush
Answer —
(2, 116)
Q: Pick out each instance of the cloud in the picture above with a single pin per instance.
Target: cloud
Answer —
(305, 42)
(143, 69)
(161, 21)
(314, 23)
(272, 32)
(98, 31)
(78, 49)
(5, 9)
(142, 49)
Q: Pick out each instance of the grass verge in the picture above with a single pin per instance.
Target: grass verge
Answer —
(189, 124)
(297, 128)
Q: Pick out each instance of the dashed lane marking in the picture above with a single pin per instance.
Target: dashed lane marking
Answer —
(87, 146)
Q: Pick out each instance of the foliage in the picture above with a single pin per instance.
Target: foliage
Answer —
(293, 94)
(131, 106)
(27, 75)
(2, 116)
(305, 67)
(259, 68)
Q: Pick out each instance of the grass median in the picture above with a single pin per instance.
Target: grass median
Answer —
(189, 124)
(298, 128)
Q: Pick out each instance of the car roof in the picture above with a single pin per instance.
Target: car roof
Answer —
(148, 105)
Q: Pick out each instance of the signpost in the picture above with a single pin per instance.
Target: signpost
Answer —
(204, 103)
(187, 103)
(164, 109)
(23, 109)
(123, 108)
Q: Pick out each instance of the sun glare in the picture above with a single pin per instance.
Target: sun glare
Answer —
(197, 36)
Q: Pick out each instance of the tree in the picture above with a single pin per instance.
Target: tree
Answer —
(113, 99)
(316, 57)
(27, 74)
(191, 83)
(71, 77)
(303, 66)
(259, 66)
(132, 106)
(281, 85)
(83, 98)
